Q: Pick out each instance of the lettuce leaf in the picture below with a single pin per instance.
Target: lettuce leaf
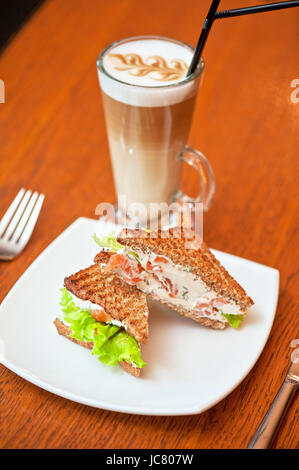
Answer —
(112, 344)
(109, 242)
(121, 347)
(233, 320)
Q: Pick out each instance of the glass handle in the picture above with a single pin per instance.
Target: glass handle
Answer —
(206, 177)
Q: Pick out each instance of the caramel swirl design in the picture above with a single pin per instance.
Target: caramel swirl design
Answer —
(154, 66)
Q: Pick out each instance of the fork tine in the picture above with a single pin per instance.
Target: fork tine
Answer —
(11, 210)
(25, 218)
(16, 218)
(32, 221)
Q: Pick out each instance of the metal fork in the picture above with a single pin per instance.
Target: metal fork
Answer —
(17, 224)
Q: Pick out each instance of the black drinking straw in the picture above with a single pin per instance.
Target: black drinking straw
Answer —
(214, 15)
(203, 36)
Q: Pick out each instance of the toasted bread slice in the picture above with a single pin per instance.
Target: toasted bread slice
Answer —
(65, 331)
(119, 300)
(103, 257)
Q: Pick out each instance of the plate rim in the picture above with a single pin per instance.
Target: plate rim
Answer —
(190, 410)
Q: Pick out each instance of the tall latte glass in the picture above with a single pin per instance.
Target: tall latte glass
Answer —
(148, 105)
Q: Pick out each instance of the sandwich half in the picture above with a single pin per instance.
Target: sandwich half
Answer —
(103, 313)
(190, 281)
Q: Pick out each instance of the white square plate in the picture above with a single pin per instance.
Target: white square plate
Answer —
(189, 367)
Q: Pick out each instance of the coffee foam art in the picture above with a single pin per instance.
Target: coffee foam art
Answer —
(154, 66)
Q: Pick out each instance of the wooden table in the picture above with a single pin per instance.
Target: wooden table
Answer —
(52, 139)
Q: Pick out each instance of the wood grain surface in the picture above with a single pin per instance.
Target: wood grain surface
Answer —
(52, 139)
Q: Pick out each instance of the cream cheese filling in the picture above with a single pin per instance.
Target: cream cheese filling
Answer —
(191, 293)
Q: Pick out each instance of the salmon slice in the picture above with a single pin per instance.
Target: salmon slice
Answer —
(210, 306)
(100, 315)
(131, 269)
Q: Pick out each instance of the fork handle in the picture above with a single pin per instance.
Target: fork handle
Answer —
(270, 424)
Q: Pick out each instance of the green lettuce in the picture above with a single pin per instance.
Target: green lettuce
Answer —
(233, 320)
(110, 243)
(112, 344)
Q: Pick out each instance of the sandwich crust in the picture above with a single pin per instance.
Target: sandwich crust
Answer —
(205, 321)
(201, 261)
(121, 301)
(65, 331)
(103, 257)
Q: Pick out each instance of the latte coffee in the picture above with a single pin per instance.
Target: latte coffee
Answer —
(148, 104)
